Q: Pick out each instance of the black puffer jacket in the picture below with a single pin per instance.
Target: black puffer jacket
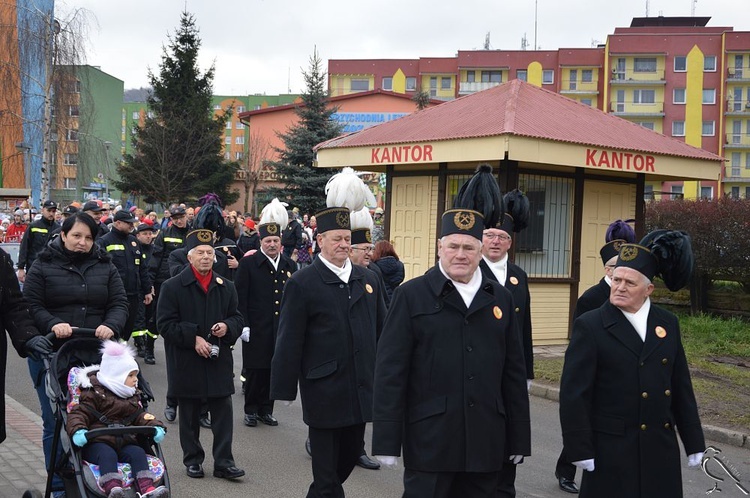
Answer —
(393, 274)
(87, 295)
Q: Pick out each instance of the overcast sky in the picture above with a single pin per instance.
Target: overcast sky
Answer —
(261, 46)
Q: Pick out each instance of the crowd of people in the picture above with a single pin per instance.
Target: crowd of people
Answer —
(441, 365)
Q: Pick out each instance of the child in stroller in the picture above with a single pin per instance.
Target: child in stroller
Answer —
(109, 398)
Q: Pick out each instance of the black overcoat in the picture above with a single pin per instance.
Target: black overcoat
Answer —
(326, 340)
(259, 288)
(517, 282)
(184, 311)
(450, 382)
(16, 320)
(594, 297)
(620, 400)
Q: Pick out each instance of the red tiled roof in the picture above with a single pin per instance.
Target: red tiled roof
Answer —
(524, 110)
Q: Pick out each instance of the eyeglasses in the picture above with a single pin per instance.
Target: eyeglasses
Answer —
(493, 236)
(366, 249)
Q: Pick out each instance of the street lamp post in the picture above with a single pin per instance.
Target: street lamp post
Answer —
(106, 169)
(25, 149)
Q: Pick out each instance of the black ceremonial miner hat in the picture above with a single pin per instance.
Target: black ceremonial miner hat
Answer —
(361, 236)
(464, 221)
(335, 218)
(639, 258)
(269, 230)
(200, 237)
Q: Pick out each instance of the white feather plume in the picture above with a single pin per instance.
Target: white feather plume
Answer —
(346, 189)
(361, 219)
(275, 212)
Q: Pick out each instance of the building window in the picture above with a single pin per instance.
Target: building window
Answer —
(586, 102)
(548, 77)
(73, 110)
(522, 74)
(747, 160)
(680, 64)
(678, 96)
(587, 76)
(747, 192)
(709, 96)
(649, 125)
(239, 140)
(709, 63)
(676, 191)
(136, 115)
(360, 85)
(644, 96)
(411, 84)
(217, 107)
(70, 159)
(72, 135)
(708, 129)
(69, 183)
(227, 140)
(736, 158)
(239, 125)
(492, 76)
(227, 155)
(228, 126)
(445, 82)
(238, 156)
(387, 83)
(257, 107)
(150, 114)
(77, 86)
(644, 64)
(735, 193)
(470, 76)
(707, 192)
(648, 192)
(240, 108)
(433, 86)
(678, 128)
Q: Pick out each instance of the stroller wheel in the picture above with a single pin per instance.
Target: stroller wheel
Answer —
(32, 493)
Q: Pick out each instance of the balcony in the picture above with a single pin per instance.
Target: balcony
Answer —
(573, 87)
(466, 88)
(734, 174)
(631, 109)
(737, 141)
(738, 74)
(738, 107)
(629, 77)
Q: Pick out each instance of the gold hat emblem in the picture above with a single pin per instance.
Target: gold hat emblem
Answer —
(617, 244)
(219, 281)
(272, 229)
(497, 312)
(203, 236)
(628, 253)
(342, 220)
(368, 236)
(464, 220)
(661, 332)
(368, 288)
(513, 280)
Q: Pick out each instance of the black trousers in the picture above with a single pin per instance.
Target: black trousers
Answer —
(506, 485)
(221, 426)
(334, 455)
(258, 391)
(133, 301)
(450, 484)
(564, 468)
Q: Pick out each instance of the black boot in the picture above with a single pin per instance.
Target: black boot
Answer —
(140, 346)
(149, 359)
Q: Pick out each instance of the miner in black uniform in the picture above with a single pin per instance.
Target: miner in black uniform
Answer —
(260, 281)
(93, 209)
(618, 233)
(35, 237)
(626, 385)
(123, 248)
(142, 336)
(169, 239)
(198, 317)
(331, 316)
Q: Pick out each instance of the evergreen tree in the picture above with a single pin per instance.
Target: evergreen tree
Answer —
(304, 185)
(178, 151)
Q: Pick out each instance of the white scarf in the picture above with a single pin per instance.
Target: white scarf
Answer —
(343, 273)
(499, 268)
(274, 262)
(468, 290)
(120, 389)
(639, 319)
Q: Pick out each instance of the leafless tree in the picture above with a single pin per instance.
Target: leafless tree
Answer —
(259, 152)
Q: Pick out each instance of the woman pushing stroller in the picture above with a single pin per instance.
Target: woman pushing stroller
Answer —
(110, 394)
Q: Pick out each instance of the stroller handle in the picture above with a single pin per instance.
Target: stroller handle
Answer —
(123, 430)
(77, 332)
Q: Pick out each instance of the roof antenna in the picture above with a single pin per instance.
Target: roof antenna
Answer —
(646, 8)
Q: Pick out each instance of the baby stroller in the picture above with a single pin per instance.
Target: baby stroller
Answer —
(81, 479)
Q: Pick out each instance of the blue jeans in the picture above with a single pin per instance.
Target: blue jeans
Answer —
(36, 369)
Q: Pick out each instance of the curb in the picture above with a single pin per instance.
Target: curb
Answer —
(718, 434)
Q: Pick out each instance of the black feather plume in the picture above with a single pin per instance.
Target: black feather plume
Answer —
(210, 216)
(517, 205)
(674, 255)
(482, 194)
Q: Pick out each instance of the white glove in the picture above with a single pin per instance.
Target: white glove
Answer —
(287, 403)
(516, 459)
(587, 465)
(387, 461)
(528, 385)
(245, 336)
(695, 459)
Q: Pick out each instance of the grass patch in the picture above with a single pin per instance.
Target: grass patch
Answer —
(718, 353)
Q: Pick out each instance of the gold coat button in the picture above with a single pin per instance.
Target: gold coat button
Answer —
(664, 361)
(276, 291)
(643, 427)
(644, 395)
(518, 309)
(276, 313)
(275, 302)
(667, 393)
(667, 426)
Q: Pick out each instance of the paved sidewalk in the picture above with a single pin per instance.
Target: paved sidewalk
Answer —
(21, 455)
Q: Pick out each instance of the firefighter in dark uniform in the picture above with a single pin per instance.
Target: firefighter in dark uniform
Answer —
(169, 239)
(126, 255)
(618, 233)
(260, 281)
(198, 317)
(625, 383)
(142, 336)
(331, 316)
(93, 209)
(35, 237)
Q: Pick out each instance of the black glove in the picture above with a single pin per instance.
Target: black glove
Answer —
(38, 347)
